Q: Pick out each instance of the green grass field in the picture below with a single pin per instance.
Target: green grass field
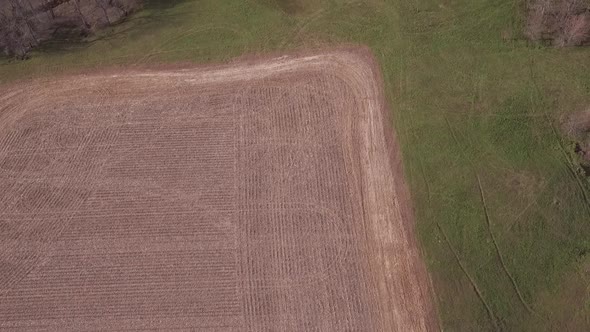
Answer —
(502, 212)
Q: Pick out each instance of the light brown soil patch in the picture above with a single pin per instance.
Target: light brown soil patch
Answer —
(257, 196)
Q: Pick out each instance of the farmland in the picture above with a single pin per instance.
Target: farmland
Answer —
(500, 209)
(250, 197)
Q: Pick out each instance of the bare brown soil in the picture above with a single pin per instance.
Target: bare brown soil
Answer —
(257, 196)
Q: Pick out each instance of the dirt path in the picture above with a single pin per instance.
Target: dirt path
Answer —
(264, 194)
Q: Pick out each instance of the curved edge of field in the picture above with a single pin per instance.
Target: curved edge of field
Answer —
(397, 261)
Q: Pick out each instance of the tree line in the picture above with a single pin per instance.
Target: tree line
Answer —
(559, 22)
(24, 24)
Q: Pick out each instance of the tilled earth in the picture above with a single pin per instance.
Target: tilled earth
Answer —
(263, 195)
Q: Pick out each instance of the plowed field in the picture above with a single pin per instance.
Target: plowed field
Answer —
(264, 195)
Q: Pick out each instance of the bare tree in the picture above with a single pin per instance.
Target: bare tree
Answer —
(559, 22)
(21, 17)
(24, 24)
(125, 6)
(17, 30)
(80, 14)
(103, 4)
